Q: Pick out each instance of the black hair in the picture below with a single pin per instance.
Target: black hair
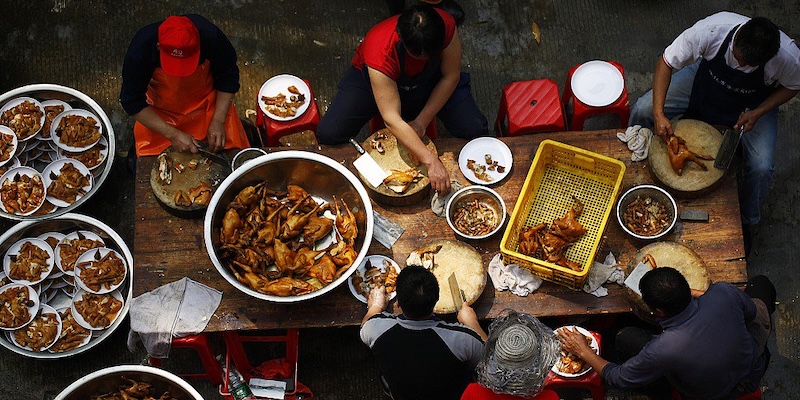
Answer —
(421, 30)
(417, 292)
(666, 289)
(758, 40)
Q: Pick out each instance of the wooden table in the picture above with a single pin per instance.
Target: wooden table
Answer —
(167, 248)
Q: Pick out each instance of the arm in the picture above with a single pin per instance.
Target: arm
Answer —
(467, 316)
(572, 341)
(778, 96)
(182, 141)
(216, 129)
(661, 79)
(376, 303)
(451, 74)
(387, 98)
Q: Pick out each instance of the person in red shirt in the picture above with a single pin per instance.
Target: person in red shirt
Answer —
(408, 70)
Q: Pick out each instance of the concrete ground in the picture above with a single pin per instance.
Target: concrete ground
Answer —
(81, 44)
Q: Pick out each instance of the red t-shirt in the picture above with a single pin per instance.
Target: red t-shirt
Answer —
(379, 50)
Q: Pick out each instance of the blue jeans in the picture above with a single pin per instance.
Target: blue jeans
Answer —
(758, 145)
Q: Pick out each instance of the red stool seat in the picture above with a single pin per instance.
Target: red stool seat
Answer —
(591, 381)
(200, 343)
(376, 124)
(581, 112)
(234, 342)
(275, 130)
(530, 107)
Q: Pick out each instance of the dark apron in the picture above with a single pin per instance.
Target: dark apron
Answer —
(721, 93)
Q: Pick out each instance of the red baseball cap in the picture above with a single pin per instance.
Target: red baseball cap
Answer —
(179, 43)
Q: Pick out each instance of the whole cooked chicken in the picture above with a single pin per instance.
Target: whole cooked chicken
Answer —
(400, 180)
(679, 153)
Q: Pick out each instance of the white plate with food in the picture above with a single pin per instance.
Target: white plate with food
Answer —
(51, 109)
(67, 180)
(485, 160)
(365, 278)
(24, 115)
(22, 181)
(8, 145)
(96, 311)
(76, 130)
(291, 105)
(21, 302)
(72, 246)
(100, 271)
(41, 333)
(92, 158)
(72, 335)
(52, 238)
(28, 261)
(597, 83)
(570, 366)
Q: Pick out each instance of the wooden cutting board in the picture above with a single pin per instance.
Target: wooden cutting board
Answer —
(465, 261)
(669, 254)
(212, 173)
(396, 156)
(701, 138)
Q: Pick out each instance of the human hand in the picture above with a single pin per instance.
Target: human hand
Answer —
(747, 119)
(466, 315)
(574, 342)
(184, 142)
(662, 124)
(440, 179)
(215, 136)
(418, 127)
(377, 298)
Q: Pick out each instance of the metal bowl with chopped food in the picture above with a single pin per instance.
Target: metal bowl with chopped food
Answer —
(475, 212)
(647, 212)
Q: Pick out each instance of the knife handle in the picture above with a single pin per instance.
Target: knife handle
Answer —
(359, 149)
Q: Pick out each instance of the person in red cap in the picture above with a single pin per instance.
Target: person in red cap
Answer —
(178, 82)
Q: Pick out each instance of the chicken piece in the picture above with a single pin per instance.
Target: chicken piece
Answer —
(304, 260)
(296, 194)
(345, 222)
(552, 246)
(138, 389)
(377, 144)
(324, 269)
(424, 256)
(293, 90)
(569, 264)
(182, 199)
(270, 228)
(648, 258)
(245, 198)
(288, 287)
(165, 168)
(679, 153)
(400, 180)
(342, 254)
(568, 228)
(284, 256)
(529, 242)
(317, 228)
(295, 222)
(231, 223)
(201, 194)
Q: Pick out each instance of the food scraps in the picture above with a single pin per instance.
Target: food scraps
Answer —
(646, 217)
(424, 256)
(284, 106)
(376, 142)
(375, 277)
(165, 168)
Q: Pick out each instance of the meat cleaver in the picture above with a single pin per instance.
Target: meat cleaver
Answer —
(455, 291)
(367, 166)
(632, 281)
(727, 149)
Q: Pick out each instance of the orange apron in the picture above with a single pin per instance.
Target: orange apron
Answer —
(188, 104)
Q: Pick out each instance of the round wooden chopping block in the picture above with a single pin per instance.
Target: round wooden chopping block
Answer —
(701, 138)
(669, 254)
(212, 173)
(466, 262)
(396, 156)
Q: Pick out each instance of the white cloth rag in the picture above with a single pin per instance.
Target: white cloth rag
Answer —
(638, 140)
(176, 309)
(512, 277)
(439, 202)
(601, 273)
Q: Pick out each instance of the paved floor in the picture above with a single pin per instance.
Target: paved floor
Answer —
(81, 44)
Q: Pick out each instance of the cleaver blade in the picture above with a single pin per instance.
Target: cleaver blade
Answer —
(632, 281)
(368, 167)
(455, 291)
(727, 149)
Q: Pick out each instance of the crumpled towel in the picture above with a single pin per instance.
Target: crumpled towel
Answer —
(601, 273)
(512, 277)
(638, 140)
(176, 309)
(439, 202)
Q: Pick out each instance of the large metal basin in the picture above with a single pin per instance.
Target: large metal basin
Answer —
(109, 379)
(76, 99)
(321, 176)
(63, 223)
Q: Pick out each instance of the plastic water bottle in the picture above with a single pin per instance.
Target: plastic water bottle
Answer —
(237, 386)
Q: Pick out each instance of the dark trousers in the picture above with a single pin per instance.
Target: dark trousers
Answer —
(629, 342)
(354, 105)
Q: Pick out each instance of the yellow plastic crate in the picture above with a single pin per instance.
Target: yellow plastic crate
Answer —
(560, 171)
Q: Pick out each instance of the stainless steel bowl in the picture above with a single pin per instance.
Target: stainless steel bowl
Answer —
(77, 100)
(63, 223)
(657, 194)
(321, 176)
(472, 193)
(109, 379)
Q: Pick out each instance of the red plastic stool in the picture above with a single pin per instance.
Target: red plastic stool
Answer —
(591, 381)
(581, 112)
(530, 106)
(750, 396)
(376, 124)
(234, 344)
(200, 344)
(274, 129)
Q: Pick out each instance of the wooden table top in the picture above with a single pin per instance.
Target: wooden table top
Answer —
(167, 247)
